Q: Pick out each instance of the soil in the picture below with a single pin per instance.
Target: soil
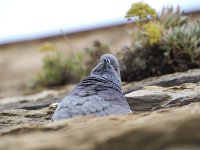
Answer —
(141, 63)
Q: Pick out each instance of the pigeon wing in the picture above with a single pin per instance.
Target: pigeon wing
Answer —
(93, 98)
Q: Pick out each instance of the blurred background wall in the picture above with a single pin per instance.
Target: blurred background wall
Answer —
(20, 59)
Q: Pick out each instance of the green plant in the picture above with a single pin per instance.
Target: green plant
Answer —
(168, 44)
(59, 69)
(48, 47)
(183, 39)
(170, 18)
(150, 30)
(94, 53)
(151, 33)
(142, 11)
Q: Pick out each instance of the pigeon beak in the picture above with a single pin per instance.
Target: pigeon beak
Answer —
(106, 61)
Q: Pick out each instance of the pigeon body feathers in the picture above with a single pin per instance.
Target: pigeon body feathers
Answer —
(100, 94)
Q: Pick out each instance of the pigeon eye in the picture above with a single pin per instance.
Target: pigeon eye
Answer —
(115, 68)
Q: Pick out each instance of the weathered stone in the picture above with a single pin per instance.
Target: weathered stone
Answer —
(191, 76)
(154, 97)
(146, 99)
(35, 101)
(15, 117)
(25, 121)
(173, 128)
(31, 102)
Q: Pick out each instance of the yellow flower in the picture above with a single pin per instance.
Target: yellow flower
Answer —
(153, 32)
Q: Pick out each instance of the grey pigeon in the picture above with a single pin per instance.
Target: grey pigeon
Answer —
(100, 94)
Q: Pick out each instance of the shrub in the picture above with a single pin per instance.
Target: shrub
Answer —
(138, 62)
(94, 53)
(183, 40)
(142, 11)
(59, 68)
(170, 18)
(168, 44)
(151, 33)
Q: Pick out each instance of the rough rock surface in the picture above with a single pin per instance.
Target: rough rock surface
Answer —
(155, 97)
(191, 76)
(175, 128)
(165, 118)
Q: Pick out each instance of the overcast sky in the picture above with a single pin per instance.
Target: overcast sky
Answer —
(26, 19)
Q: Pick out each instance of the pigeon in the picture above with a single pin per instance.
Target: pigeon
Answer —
(100, 94)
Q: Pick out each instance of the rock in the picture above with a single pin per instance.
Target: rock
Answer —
(53, 106)
(191, 76)
(146, 99)
(173, 128)
(154, 97)
(150, 98)
(33, 102)
(165, 118)
(15, 117)
(34, 97)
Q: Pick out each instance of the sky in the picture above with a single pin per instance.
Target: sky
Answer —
(30, 19)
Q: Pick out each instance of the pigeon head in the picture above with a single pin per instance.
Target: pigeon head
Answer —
(108, 68)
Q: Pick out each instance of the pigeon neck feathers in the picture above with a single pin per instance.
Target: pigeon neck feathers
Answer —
(101, 81)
